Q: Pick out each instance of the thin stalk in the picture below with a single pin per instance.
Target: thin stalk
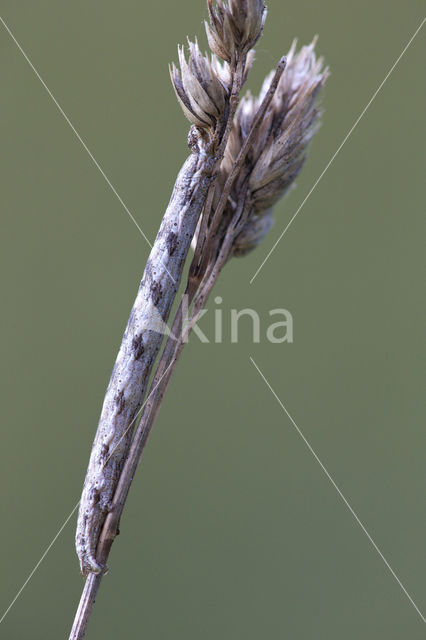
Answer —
(170, 355)
(159, 385)
(93, 547)
(85, 606)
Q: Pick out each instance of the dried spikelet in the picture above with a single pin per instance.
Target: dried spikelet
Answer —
(285, 134)
(234, 27)
(279, 148)
(201, 86)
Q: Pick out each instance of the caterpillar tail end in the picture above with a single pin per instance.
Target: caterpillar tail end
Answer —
(88, 564)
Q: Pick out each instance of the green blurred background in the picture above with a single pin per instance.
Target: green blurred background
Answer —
(231, 530)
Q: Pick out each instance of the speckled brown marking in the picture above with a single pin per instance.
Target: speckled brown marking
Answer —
(104, 452)
(156, 292)
(148, 273)
(172, 242)
(120, 401)
(138, 346)
(96, 496)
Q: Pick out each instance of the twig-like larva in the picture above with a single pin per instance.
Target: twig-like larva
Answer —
(141, 342)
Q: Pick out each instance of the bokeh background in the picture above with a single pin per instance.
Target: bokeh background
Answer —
(231, 530)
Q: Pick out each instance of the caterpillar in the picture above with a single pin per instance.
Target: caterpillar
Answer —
(140, 345)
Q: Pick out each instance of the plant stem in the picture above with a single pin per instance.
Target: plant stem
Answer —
(199, 286)
(106, 466)
(85, 606)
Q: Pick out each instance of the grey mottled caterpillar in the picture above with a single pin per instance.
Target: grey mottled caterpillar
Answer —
(141, 342)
